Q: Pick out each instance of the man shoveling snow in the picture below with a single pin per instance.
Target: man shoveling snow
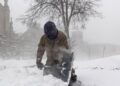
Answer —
(59, 59)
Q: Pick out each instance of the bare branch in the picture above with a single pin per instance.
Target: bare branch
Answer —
(66, 10)
(72, 9)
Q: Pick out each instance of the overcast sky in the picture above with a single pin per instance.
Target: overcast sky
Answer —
(99, 30)
(105, 30)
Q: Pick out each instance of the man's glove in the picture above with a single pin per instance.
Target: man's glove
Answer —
(40, 65)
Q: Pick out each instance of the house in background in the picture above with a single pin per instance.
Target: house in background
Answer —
(6, 24)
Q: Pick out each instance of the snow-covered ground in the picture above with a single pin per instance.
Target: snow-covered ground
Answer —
(100, 72)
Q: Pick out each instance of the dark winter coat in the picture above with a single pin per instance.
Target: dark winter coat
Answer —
(52, 48)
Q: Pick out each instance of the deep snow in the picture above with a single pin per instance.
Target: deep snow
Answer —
(100, 72)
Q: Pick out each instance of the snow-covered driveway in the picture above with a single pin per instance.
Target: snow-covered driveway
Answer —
(100, 72)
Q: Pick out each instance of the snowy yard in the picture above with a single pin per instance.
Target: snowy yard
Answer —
(100, 72)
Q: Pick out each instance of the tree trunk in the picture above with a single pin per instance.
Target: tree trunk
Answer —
(66, 27)
(67, 31)
(68, 35)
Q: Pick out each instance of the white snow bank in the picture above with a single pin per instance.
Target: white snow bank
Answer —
(103, 63)
(100, 72)
(25, 73)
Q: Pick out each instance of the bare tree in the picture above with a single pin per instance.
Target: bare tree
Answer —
(66, 11)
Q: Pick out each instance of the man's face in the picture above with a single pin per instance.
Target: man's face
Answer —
(51, 33)
(50, 30)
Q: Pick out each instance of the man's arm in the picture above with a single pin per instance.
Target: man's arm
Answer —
(41, 49)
